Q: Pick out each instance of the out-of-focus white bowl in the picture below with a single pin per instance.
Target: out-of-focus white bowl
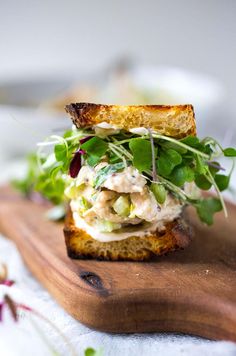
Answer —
(22, 128)
(178, 85)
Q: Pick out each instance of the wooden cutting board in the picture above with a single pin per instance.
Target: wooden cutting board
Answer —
(191, 291)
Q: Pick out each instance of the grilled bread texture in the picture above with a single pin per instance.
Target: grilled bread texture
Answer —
(175, 121)
(80, 245)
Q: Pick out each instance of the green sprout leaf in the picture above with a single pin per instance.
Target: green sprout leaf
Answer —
(68, 133)
(182, 174)
(95, 148)
(222, 181)
(52, 190)
(230, 152)
(206, 208)
(60, 152)
(113, 158)
(55, 170)
(214, 167)
(200, 165)
(26, 185)
(167, 161)
(191, 141)
(164, 167)
(202, 182)
(174, 156)
(142, 153)
(177, 161)
(171, 145)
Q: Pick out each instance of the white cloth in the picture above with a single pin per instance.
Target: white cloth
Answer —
(22, 338)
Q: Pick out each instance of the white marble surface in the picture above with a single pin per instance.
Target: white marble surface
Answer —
(27, 340)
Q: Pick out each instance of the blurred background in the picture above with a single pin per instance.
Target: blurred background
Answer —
(127, 52)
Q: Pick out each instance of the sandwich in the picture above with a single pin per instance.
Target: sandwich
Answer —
(126, 175)
(115, 212)
(132, 182)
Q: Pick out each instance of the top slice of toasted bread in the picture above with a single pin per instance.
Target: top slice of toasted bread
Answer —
(175, 121)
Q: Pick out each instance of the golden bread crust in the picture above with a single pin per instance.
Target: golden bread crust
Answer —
(176, 121)
(81, 245)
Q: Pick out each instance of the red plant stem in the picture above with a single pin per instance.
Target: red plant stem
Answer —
(12, 306)
(7, 282)
(2, 304)
(85, 139)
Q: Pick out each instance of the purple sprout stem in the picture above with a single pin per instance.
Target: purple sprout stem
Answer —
(154, 171)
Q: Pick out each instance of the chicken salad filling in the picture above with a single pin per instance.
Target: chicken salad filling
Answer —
(123, 204)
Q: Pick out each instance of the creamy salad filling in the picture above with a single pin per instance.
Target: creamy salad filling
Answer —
(113, 204)
(122, 207)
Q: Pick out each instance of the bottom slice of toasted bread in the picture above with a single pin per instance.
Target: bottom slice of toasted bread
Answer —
(80, 245)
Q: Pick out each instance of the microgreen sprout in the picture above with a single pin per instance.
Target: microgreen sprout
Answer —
(168, 164)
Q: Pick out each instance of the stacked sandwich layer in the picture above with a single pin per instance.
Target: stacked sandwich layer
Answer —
(115, 192)
(121, 207)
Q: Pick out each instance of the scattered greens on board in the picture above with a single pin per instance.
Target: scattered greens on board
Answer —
(165, 162)
(91, 352)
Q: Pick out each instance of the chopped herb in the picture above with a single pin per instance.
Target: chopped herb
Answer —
(105, 172)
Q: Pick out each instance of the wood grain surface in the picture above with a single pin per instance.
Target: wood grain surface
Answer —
(191, 291)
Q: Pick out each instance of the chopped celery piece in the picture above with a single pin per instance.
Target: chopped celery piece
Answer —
(122, 206)
(107, 226)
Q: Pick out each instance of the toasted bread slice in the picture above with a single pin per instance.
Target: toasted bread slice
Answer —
(80, 245)
(175, 121)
